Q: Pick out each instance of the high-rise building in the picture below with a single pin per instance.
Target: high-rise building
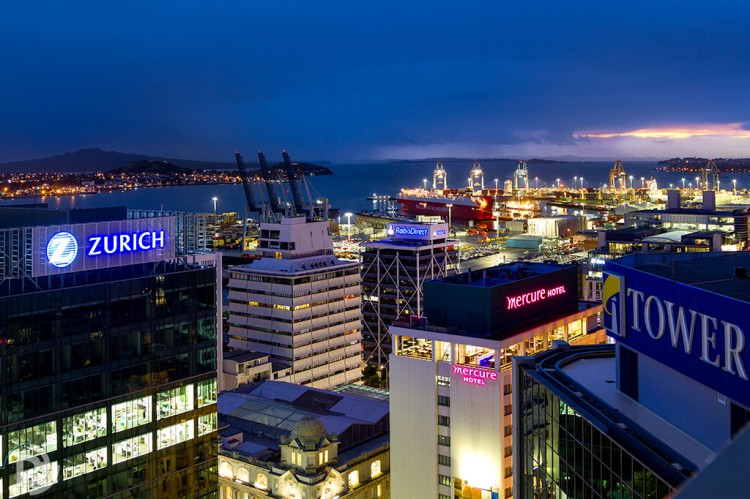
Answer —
(108, 382)
(638, 418)
(450, 391)
(394, 271)
(299, 304)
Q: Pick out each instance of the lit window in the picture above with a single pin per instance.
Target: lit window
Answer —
(261, 481)
(353, 479)
(225, 470)
(83, 463)
(175, 434)
(375, 468)
(131, 414)
(84, 426)
(129, 448)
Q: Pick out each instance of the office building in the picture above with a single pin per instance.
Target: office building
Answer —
(638, 418)
(299, 304)
(450, 392)
(109, 350)
(394, 271)
(289, 441)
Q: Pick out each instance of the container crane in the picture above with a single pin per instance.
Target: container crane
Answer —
(291, 176)
(265, 171)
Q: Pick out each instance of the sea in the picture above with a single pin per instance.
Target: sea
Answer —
(351, 184)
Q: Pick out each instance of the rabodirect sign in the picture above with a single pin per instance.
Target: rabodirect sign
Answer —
(73, 248)
(417, 231)
(693, 331)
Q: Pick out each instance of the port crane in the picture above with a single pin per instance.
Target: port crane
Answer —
(291, 176)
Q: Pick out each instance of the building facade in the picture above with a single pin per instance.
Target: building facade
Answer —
(299, 304)
(108, 382)
(394, 271)
(638, 418)
(287, 441)
(451, 407)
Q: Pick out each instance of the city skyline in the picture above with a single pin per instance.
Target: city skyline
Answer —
(338, 81)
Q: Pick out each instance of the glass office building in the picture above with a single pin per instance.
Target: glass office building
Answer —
(108, 363)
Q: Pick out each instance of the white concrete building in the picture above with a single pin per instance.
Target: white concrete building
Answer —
(450, 391)
(299, 304)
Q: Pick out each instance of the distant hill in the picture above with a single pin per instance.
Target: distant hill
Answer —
(98, 160)
(152, 166)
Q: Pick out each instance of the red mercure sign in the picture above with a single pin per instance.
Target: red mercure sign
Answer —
(515, 302)
(474, 376)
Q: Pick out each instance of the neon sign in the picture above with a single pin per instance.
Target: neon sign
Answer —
(125, 243)
(474, 376)
(515, 302)
(441, 232)
(62, 249)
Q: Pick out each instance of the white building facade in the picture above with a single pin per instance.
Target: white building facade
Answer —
(450, 392)
(299, 304)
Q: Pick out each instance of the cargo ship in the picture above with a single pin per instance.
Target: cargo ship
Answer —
(472, 203)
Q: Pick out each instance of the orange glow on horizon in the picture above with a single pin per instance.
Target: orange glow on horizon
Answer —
(674, 132)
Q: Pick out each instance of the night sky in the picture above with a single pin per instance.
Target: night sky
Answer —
(354, 80)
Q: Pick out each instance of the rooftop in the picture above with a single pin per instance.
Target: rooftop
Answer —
(502, 274)
(309, 264)
(724, 273)
(584, 377)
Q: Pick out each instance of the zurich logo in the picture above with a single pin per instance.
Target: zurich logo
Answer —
(62, 249)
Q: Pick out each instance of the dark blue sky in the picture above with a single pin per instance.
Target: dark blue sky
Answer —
(363, 80)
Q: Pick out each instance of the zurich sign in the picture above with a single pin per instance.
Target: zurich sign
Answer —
(62, 249)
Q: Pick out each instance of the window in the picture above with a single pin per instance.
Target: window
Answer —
(353, 478)
(206, 424)
(444, 400)
(375, 469)
(443, 440)
(29, 480)
(84, 427)
(32, 441)
(131, 414)
(175, 434)
(261, 481)
(444, 480)
(443, 496)
(174, 401)
(83, 463)
(379, 490)
(206, 392)
(508, 409)
(509, 472)
(129, 448)
(444, 421)
(444, 460)
(443, 381)
(508, 430)
(507, 389)
(508, 492)
(225, 471)
(508, 451)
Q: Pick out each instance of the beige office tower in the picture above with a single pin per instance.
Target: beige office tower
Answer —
(299, 304)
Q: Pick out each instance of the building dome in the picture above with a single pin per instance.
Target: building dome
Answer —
(309, 428)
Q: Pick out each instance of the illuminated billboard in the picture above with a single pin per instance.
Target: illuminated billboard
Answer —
(426, 232)
(98, 245)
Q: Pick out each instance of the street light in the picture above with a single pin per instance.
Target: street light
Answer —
(734, 185)
(348, 216)
(581, 182)
(536, 183)
(631, 181)
(214, 199)
(449, 216)
(683, 182)
(424, 183)
(697, 183)
(575, 182)
(643, 182)
(495, 187)
(558, 183)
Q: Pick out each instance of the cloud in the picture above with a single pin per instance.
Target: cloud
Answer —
(736, 130)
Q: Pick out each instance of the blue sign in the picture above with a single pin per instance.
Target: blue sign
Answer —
(698, 333)
(410, 230)
(441, 232)
(99, 245)
(62, 249)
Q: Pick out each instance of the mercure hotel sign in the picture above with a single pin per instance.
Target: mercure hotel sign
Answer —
(474, 376)
(78, 247)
